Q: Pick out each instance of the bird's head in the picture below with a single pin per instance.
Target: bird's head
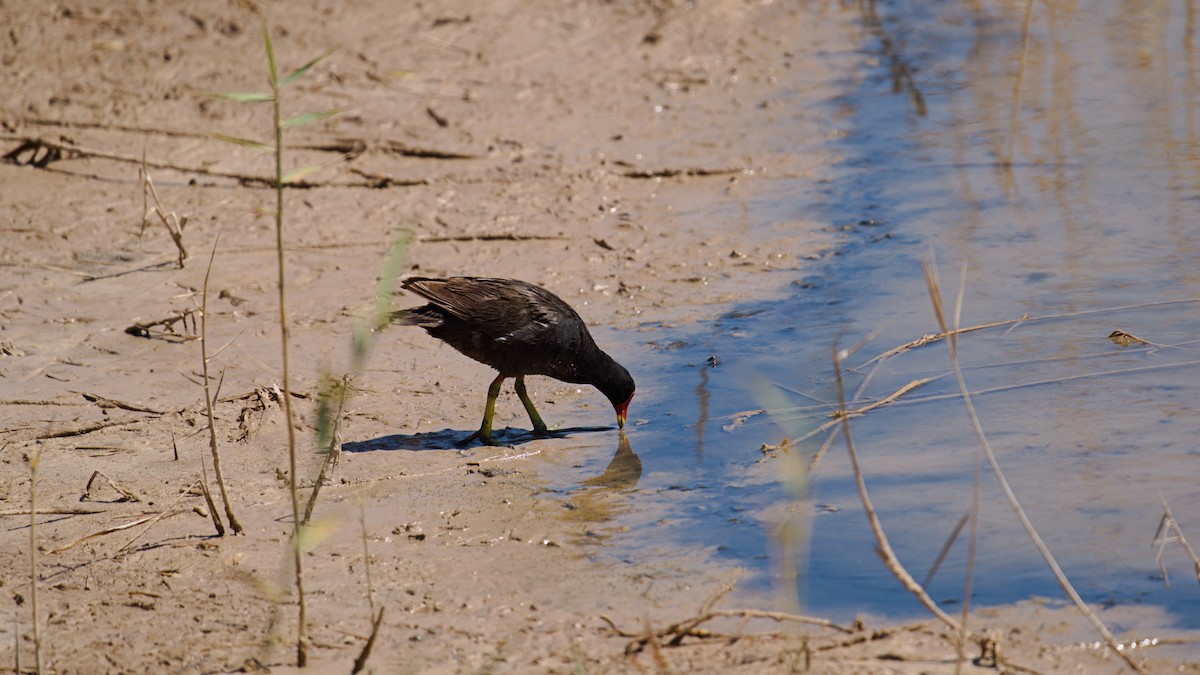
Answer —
(618, 387)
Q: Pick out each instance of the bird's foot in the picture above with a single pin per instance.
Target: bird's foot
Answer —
(543, 433)
(484, 437)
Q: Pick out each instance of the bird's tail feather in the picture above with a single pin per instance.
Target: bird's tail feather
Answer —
(420, 316)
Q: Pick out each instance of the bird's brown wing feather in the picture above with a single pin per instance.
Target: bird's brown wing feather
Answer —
(497, 307)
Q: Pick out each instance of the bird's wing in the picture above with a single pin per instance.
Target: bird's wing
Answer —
(497, 307)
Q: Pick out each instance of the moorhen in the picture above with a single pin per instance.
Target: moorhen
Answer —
(519, 329)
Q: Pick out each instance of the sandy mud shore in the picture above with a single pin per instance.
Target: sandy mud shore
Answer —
(605, 150)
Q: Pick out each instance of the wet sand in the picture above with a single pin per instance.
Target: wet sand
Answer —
(585, 148)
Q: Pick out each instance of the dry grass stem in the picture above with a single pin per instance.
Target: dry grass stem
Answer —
(83, 430)
(277, 183)
(330, 431)
(170, 220)
(941, 556)
(837, 414)
(165, 328)
(34, 460)
(109, 403)
(929, 339)
(208, 500)
(677, 172)
(895, 400)
(674, 634)
(1014, 115)
(1163, 536)
(1123, 339)
(208, 407)
(361, 661)
(505, 236)
(931, 280)
(126, 494)
(40, 152)
(362, 523)
(1025, 318)
(884, 547)
(52, 512)
(346, 145)
(152, 520)
(833, 429)
(101, 533)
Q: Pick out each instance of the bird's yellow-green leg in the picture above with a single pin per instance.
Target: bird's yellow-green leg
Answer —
(485, 430)
(538, 425)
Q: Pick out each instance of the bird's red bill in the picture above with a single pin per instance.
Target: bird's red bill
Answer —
(621, 410)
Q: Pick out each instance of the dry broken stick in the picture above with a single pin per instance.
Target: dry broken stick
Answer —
(691, 627)
(1123, 339)
(171, 510)
(504, 236)
(931, 338)
(383, 180)
(172, 221)
(100, 533)
(331, 448)
(929, 270)
(58, 511)
(208, 406)
(1169, 532)
(165, 328)
(126, 494)
(690, 171)
(353, 147)
(108, 403)
(41, 152)
(87, 429)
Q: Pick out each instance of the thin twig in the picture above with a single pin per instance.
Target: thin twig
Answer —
(151, 329)
(929, 339)
(212, 508)
(331, 448)
(33, 562)
(170, 511)
(1003, 388)
(504, 236)
(208, 404)
(941, 556)
(883, 547)
(1163, 536)
(690, 627)
(104, 402)
(362, 523)
(59, 511)
(690, 171)
(934, 287)
(289, 416)
(101, 533)
(126, 495)
(80, 431)
(1025, 318)
(839, 413)
(361, 661)
(345, 145)
(42, 152)
(172, 221)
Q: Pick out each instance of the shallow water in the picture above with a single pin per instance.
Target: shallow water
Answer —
(1053, 154)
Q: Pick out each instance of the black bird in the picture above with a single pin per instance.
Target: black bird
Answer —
(519, 329)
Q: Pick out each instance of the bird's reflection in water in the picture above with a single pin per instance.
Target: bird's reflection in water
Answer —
(702, 396)
(606, 496)
(624, 471)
